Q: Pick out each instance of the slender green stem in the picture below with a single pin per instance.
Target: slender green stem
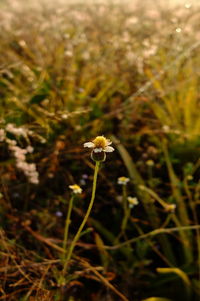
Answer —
(195, 216)
(126, 213)
(152, 245)
(150, 176)
(67, 223)
(73, 244)
(175, 184)
(186, 243)
(155, 196)
(126, 210)
(153, 233)
(124, 198)
(125, 220)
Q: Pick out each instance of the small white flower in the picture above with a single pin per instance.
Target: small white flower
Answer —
(150, 163)
(16, 131)
(189, 177)
(29, 149)
(170, 208)
(133, 201)
(178, 29)
(100, 144)
(75, 188)
(59, 213)
(188, 5)
(166, 128)
(123, 180)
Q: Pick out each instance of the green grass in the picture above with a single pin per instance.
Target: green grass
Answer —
(67, 74)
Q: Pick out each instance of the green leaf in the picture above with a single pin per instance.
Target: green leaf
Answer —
(37, 99)
(101, 247)
(176, 271)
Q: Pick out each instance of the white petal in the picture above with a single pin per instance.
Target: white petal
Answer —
(88, 144)
(98, 150)
(109, 149)
(79, 190)
(109, 142)
(121, 183)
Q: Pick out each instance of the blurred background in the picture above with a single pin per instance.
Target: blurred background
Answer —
(74, 70)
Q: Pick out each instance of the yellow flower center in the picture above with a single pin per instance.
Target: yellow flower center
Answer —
(123, 179)
(100, 142)
(132, 200)
(75, 187)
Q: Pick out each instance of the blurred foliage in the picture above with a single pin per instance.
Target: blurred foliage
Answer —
(67, 74)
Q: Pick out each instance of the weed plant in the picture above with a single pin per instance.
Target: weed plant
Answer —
(70, 73)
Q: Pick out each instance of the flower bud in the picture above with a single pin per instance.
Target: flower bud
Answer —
(98, 156)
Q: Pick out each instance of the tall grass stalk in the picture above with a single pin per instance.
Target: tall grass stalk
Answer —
(186, 243)
(181, 206)
(126, 210)
(195, 217)
(67, 223)
(149, 207)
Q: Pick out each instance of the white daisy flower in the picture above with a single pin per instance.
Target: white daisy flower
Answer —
(189, 177)
(75, 188)
(170, 208)
(123, 180)
(150, 163)
(133, 201)
(100, 144)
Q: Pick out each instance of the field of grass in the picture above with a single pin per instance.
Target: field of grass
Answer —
(72, 72)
